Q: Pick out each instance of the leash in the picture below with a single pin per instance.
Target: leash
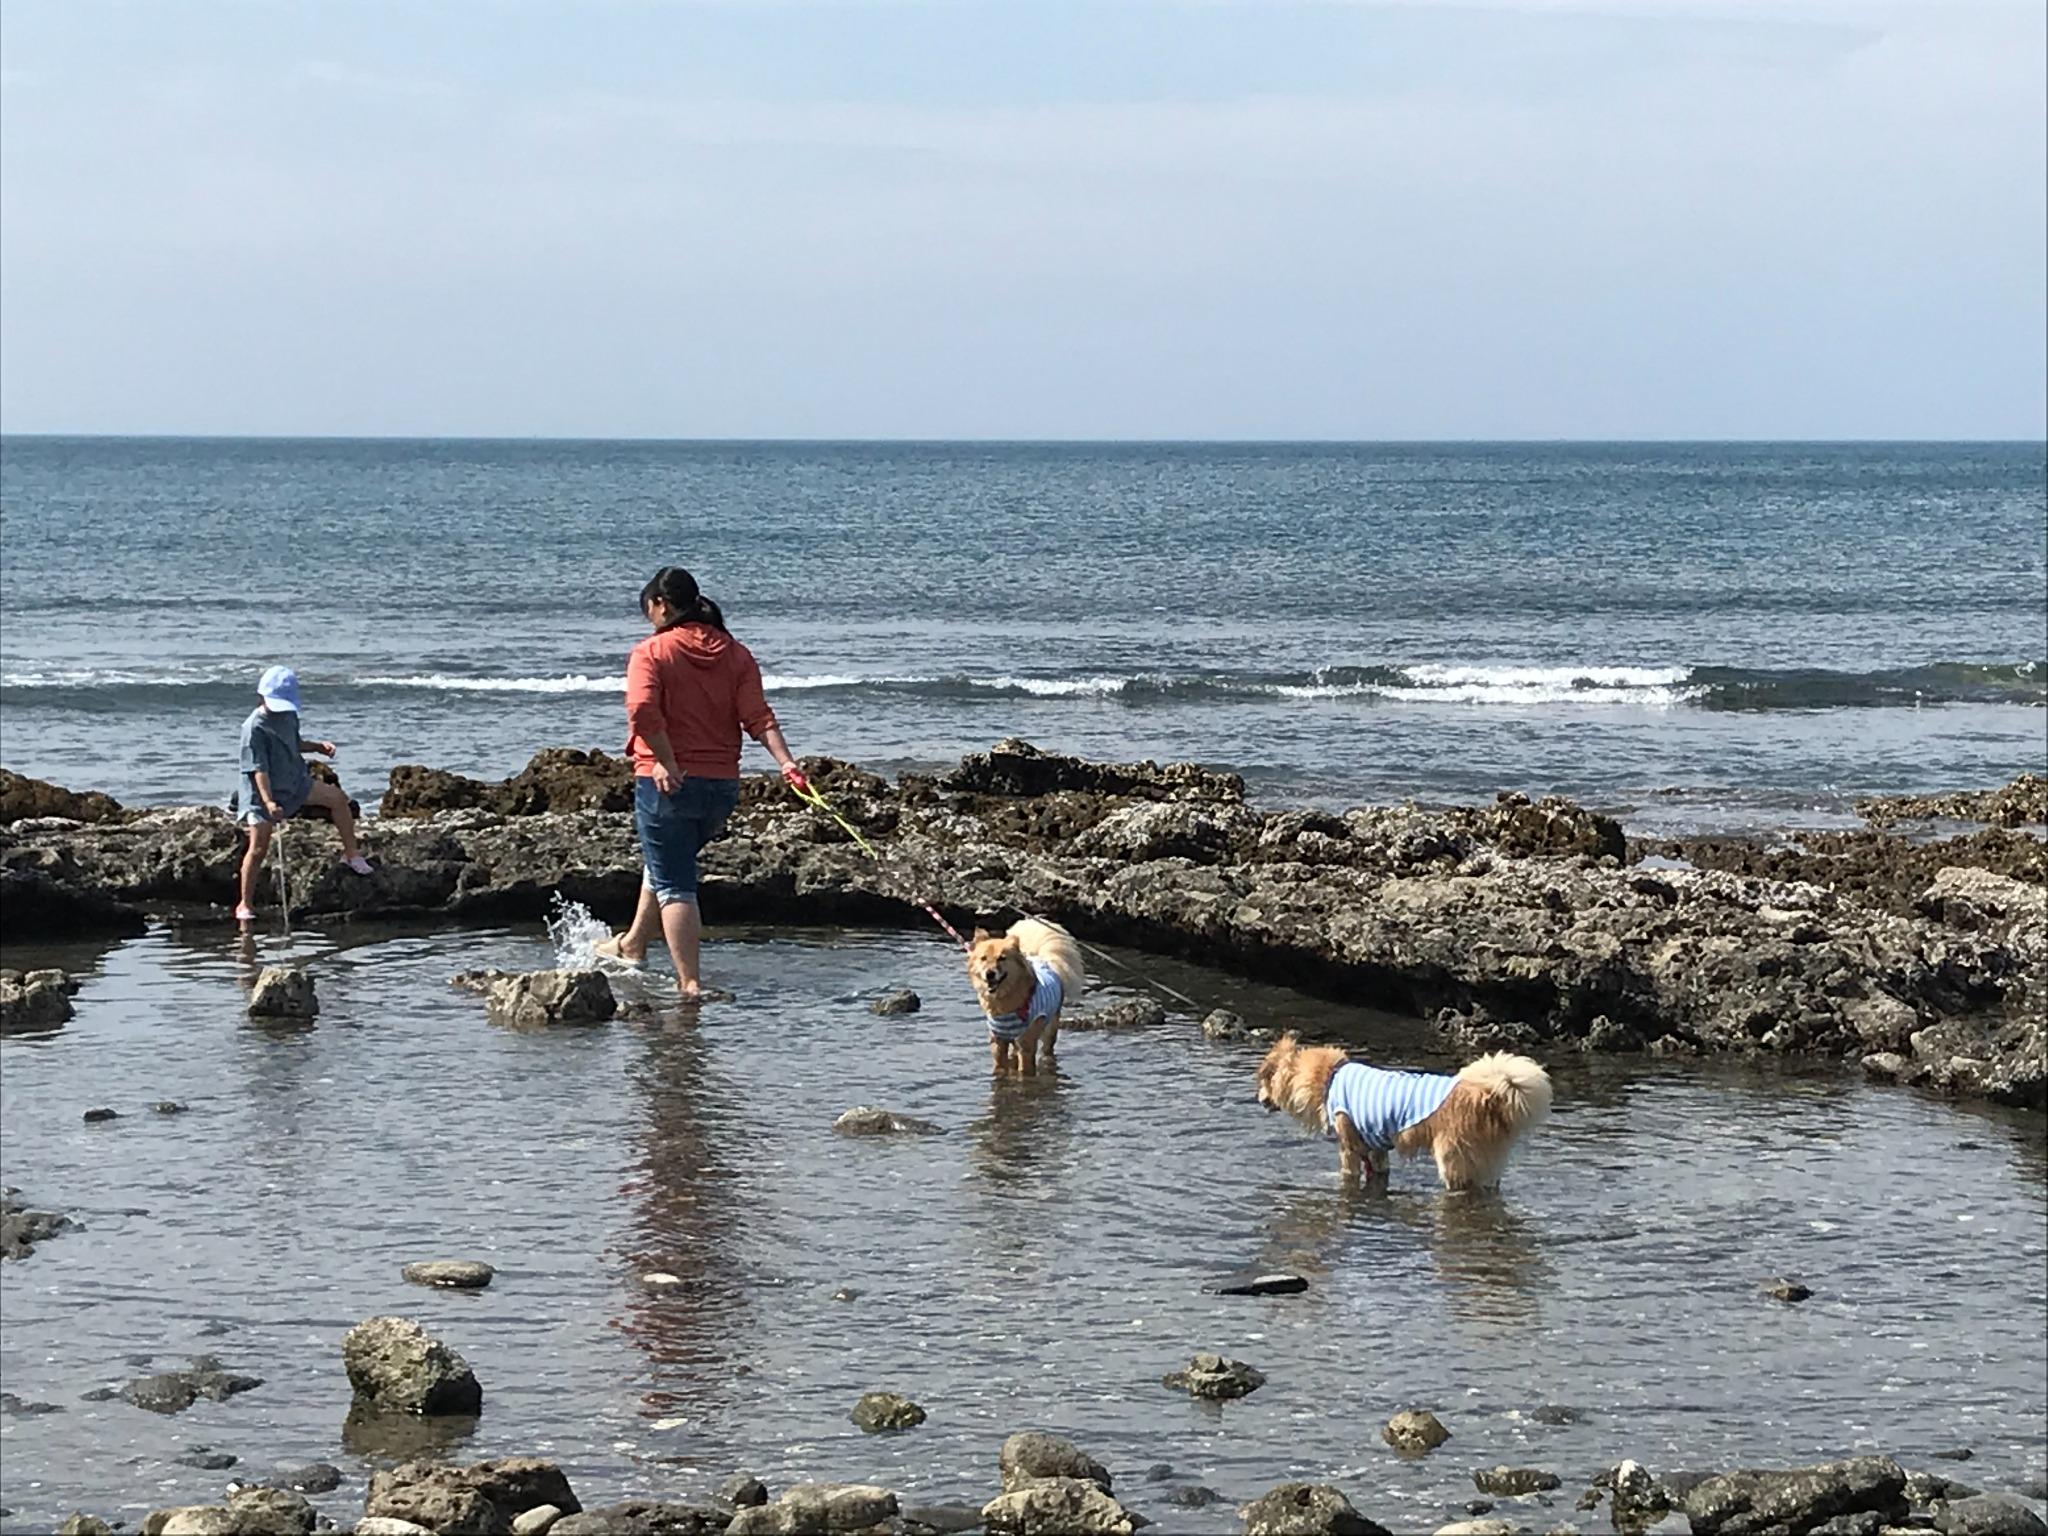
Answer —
(810, 796)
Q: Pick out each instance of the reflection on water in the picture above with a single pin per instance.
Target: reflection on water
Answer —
(1041, 1262)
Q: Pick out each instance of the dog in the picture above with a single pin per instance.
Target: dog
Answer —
(1024, 978)
(1468, 1123)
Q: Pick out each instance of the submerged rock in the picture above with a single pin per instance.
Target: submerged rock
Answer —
(866, 1120)
(1415, 1432)
(78, 1523)
(283, 992)
(21, 1228)
(206, 1459)
(905, 1001)
(878, 1411)
(395, 1365)
(1213, 1377)
(1222, 1024)
(1032, 1454)
(450, 1274)
(1988, 1514)
(1786, 1290)
(1306, 1509)
(171, 1392)
(1796, 1500)
(1277, 1284)
(1193, 1496)
(484, 1497)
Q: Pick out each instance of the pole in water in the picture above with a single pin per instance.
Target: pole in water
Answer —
(284, 890)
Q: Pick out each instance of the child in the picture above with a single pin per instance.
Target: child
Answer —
(276, 783)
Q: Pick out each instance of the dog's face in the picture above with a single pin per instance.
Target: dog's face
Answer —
(995, 963)
(1276, 1072)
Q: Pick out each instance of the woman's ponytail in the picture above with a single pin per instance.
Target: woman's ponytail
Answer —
(678, 588)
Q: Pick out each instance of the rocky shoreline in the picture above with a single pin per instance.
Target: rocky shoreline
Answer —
(1537, 925)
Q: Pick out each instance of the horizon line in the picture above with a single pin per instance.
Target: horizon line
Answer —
(1004, 442)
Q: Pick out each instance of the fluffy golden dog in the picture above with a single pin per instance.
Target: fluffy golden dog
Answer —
(1024, 978)
(1468, 1123)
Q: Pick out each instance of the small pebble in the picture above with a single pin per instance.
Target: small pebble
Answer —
(846, 1293)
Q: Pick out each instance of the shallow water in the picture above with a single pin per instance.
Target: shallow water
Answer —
(1038, 1264)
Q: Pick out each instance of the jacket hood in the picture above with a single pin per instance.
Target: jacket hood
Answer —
(700, 644)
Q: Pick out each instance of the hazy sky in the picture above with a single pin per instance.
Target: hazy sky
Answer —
(1025, 218)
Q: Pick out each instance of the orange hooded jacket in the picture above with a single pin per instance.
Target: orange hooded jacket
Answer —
(698, 686)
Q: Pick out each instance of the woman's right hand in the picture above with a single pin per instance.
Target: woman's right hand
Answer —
(666, 783)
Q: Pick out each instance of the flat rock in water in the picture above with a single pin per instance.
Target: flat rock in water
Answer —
(879, 1411)
(1989, 1514)
(175, 1391)
(1031, 1454)
(1214, 1377)
(905, 1001)
(396, 1365)
(206, 1459)
(1306, 1509)
(940, 1519)
(1557, 1415)
(93, 1116)
(1124, 1013)
(1260, 1285)
(10, 1404)
(283, 992)
(1193, 1497)
(642, 1517)
(314, 1477)
(866, 1120)
(1786, 1290)
(450, 1274)
(1415, 1431)
(1514, 1482)
(168, 1107)
(816, 1507)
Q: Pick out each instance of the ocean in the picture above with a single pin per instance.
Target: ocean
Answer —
(1697, 636)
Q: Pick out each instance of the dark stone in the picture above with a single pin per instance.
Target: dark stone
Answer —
(314, 1477)
(1193, 1496)
(168, 1107)
(1960, 1453)
(1222, 1024)
(1556, 1414)
(100, 1395)
(879, 1411)
(1796, 1500)
(175, 1391)
(206, 1459)
(1123, 1013)
(92, 1116)
(643, 1517)
(1989, 1514)
(1415, 1432)
(23, 798)
(396, 1365)
(940, 1519)
(1260, 1285)
(1158, 1472)
(1477, 1507)
(1786, 1290)
(449, 1274)
(847, 1293)
(742, 1491)
(11, 1404)
(22, 1228)
(904, 1001)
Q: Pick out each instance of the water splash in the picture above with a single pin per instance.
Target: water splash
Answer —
(574, 931)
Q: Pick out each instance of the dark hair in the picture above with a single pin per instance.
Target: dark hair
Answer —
(678, 588)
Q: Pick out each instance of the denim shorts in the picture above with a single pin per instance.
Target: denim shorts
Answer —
(673, 828)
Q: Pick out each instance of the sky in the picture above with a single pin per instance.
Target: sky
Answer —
(1025, 219)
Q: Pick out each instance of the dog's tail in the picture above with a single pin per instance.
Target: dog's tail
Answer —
(1518, 1087)
(1056, 947)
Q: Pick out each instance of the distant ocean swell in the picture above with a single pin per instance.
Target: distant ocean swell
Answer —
(1449, 683)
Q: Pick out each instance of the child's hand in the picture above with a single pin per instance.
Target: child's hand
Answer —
(326, 749)
(273, 810)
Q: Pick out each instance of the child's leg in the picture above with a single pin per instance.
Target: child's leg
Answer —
(330, 798)
(252, 860)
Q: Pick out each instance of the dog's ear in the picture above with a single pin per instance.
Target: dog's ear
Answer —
(982, 936)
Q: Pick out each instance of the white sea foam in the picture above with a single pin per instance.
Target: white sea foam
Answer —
(574, 931)
(444, 682)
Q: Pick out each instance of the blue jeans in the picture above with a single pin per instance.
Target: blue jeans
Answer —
(673, 828)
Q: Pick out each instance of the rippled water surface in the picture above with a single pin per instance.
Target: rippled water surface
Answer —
(1038, 1264)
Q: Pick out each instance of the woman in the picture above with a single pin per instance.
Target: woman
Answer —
(690, 689)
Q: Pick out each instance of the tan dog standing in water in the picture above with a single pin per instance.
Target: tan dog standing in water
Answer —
(1468, 1123)
(1024, 978)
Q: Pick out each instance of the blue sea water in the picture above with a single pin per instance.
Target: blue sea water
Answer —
(1696, 635)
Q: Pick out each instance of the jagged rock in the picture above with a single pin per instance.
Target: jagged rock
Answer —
(1415, 1431)
(1031, 1455)
(1797, 1500)
(1305, 1509)
(22, 1228)
(395, 1365)
(816, 1509)
(81, 1524)
(35, 999)
(552, 997)
(904, 1001)
(878, 1411)
(1056, 1506)
(866, 1120)
(450, 1274)
(1222, 1024)
(1514, 1482)
(1786, 1290)
(1216, 1378)
(1640, 1500)
(24, 799)
(477, 1500)
(558, 779)
(1926, 1489)
(2023, 801)
(283, 992)
(249, 1512)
